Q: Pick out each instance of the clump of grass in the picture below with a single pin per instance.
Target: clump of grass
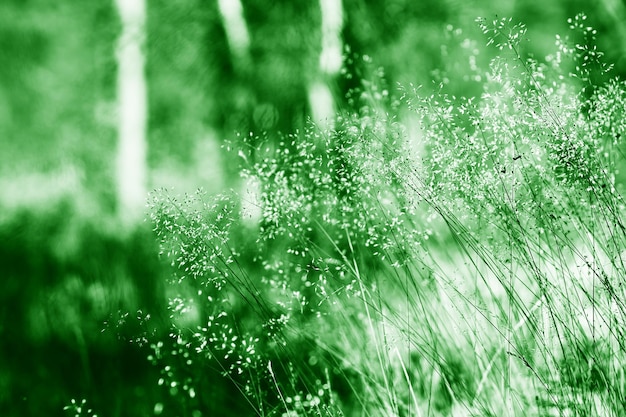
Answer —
(79, 409)
(524, 179)
(481, 276)
(235, 316)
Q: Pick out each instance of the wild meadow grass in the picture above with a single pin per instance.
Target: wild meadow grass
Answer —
(478, 271)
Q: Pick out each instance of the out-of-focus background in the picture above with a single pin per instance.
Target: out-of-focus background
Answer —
(102, 102)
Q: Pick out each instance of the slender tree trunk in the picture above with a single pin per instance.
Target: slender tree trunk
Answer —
(239, 44)
(236, 33)
(131, 164)
(321, 99)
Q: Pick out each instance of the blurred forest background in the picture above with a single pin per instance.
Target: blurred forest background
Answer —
(101, 102)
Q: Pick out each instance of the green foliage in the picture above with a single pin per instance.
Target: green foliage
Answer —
(66, 275)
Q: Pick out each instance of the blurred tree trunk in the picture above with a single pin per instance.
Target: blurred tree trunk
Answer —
(321, 100)
(236, 33)
(131, 164)
(238, 40)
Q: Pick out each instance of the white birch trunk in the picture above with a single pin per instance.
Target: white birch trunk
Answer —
(320, 96)
(131, 164)
(239, 44)
(236, 32)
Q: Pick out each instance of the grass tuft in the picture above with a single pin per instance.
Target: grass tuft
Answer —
(477, 271)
